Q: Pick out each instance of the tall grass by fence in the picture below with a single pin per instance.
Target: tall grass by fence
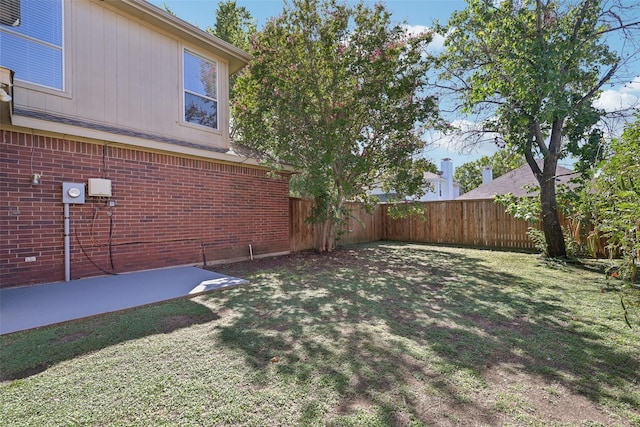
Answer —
(455, 222)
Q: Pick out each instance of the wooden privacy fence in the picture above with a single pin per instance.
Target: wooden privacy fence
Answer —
(460, 222)
(360, 227)
(455, 222)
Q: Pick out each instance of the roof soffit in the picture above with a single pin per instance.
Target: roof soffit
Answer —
(157, 17)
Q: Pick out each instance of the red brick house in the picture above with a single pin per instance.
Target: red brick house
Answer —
(129, 105)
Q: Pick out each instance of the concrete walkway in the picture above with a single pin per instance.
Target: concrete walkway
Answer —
(29, 307)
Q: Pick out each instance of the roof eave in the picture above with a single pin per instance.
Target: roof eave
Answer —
(155, 16)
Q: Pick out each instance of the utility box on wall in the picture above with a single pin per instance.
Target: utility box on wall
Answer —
(73, 193)
(99, 187)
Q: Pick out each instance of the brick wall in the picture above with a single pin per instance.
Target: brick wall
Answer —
(169, 210)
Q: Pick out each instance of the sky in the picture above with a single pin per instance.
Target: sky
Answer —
(416, 12)
(419, 14)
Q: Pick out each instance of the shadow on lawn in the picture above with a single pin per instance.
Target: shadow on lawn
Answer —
(27, 353)
(388, 327)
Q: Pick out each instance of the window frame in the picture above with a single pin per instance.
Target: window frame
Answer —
(185, 91)
(62, 49)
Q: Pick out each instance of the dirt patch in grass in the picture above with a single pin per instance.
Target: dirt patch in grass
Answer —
(26, 373)
(540, 400)
(179, 321)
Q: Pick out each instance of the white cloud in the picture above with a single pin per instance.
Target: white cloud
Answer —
(414, 30)
(621, 97)
(616, 100)
(437, 44)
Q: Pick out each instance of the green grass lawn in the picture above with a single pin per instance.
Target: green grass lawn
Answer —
(381, 334)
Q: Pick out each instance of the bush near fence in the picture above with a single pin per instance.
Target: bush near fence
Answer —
(481, 223)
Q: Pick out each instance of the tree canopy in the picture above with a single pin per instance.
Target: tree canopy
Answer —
(616, 198)
(337, 92)
(234, 24)
(531, 70)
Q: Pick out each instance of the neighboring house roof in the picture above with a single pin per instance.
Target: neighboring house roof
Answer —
(514, 182)
(430, 176)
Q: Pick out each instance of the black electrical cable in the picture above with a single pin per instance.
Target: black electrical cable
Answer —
(75, 230)
(111, 244)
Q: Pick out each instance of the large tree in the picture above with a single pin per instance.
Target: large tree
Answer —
(532, 69)
(337, 92)
(234, 24)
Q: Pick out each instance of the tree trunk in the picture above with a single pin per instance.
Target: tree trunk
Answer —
(326, 238)
(549, 208)
(326, 232)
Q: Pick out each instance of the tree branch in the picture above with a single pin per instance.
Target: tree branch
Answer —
(597, 87)
(531, 161)
(621, 27)
(536, 132)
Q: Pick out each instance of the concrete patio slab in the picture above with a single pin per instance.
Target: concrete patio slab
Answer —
(35, 306)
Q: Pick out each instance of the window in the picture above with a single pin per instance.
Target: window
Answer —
(31, 45)
(200, 90)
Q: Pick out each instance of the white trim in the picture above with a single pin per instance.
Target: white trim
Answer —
(185, 90)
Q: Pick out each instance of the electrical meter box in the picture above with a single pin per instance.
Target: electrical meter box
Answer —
(73, 192)
(99, 187)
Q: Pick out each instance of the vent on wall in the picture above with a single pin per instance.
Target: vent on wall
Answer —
(10, 12)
